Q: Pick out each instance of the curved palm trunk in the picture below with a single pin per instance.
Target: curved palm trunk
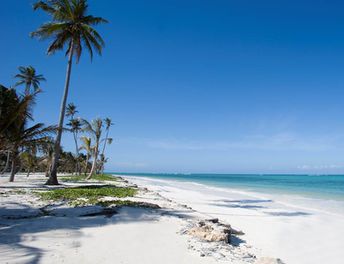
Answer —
(94, 164)
(53, 173)
(7, 162)
(106, 138)
(77, 165)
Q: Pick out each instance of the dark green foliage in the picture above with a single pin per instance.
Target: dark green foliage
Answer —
(27, 76)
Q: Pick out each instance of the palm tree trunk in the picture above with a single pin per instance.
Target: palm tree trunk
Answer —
(47, 170)
(106, 138)
(7, 162)
(102, 169)
(77, 170)
(13, 167)
(86, 163)
(27, 89)
(94, 164)
(53, 173)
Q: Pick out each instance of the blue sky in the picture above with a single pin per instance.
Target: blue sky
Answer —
(201, 86)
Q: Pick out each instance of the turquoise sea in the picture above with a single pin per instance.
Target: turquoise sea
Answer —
(313, 186)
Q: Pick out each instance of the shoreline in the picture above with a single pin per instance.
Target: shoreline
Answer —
(325, 205)
(287, 230)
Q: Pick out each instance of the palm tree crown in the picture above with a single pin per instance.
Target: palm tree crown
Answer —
(70, 26)
(71, 110)
(28, 77)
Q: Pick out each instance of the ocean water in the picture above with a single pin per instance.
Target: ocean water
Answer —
(329, 187)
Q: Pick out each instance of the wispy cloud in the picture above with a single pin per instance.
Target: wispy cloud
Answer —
(127, 164)
(281, 141)
(320, 167)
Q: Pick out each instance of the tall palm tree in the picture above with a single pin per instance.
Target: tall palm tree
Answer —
(88, 148)
(94, 128)
(28, 77)
(70, 26)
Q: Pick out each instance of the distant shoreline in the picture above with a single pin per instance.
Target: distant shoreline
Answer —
(328, 187)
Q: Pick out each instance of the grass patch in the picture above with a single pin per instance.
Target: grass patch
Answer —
(128, 203)
(87, 194)
(81, 178)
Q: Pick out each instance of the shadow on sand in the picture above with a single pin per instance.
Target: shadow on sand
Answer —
(15, 232)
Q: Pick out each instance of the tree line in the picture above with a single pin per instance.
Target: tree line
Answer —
(26, 146)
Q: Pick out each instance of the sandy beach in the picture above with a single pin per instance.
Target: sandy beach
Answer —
(36, 231)
(278, 225)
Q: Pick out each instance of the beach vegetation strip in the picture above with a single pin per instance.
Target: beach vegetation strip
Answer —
(82, 178)
(87, 194)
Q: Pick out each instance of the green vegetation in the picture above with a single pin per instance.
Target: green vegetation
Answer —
(87, 194)
(20, 138)
(81, 178)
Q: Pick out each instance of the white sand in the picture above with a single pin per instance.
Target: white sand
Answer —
(134, 235)
(297, 230)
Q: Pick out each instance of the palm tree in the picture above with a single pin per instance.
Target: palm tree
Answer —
(75, 127)
(88, 148)
(108, 124)
(48, 152)
(107, 140)
(71, 110)
(95, 130)
(29, 157)
(28, 77)
(7, 161)
(24, 137)
(15, 134)
(70, 26)
(12, 108)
